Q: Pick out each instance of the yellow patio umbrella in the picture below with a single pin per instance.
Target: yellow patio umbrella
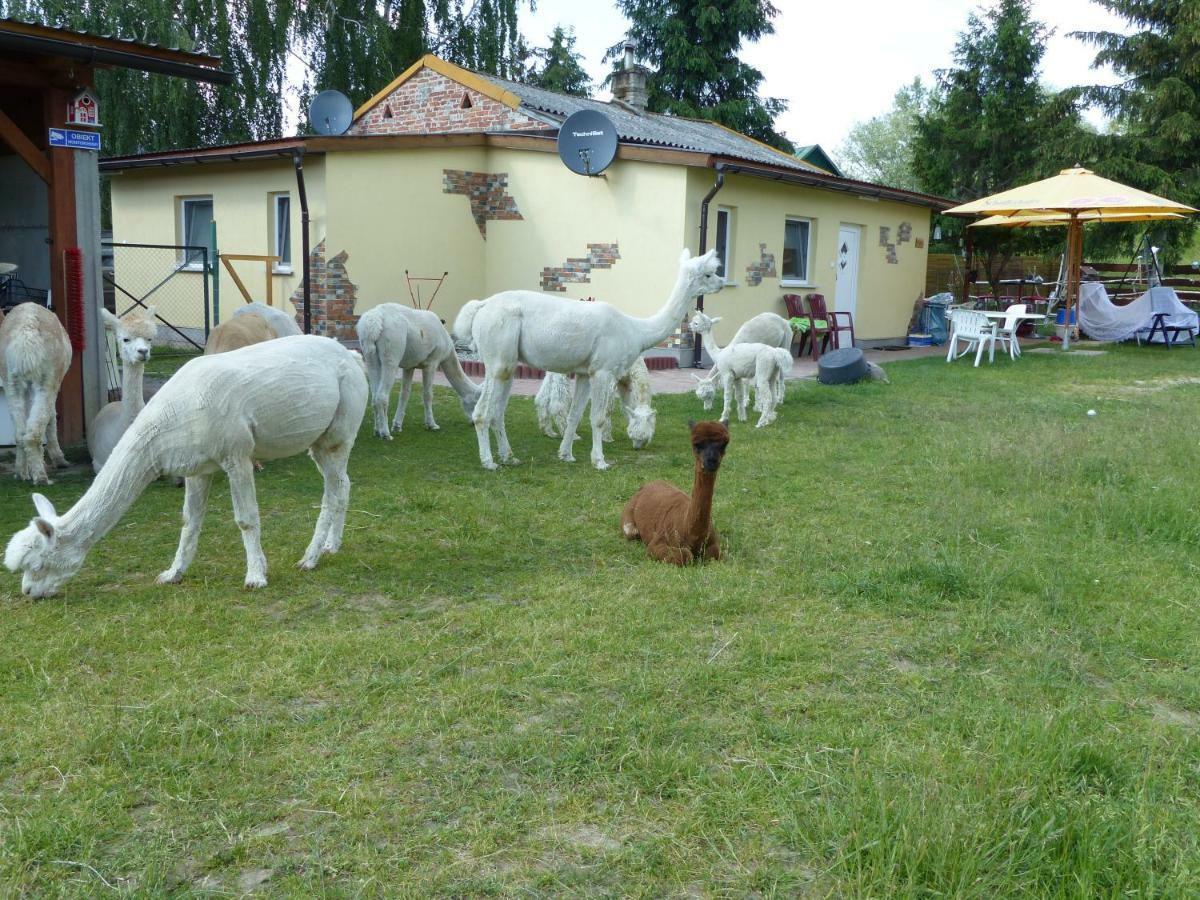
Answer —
(1072, 197)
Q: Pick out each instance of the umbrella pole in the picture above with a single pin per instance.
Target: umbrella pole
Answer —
(1074, 263)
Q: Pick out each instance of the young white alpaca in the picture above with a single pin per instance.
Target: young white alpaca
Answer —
(595, 342)
(394, 336)
(35, 354)
(765, 328)
(281, 323)
(135, 331)
(553, 404)
(266, 401)
(737, 364)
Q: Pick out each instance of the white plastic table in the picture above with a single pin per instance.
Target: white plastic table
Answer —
(998, 316)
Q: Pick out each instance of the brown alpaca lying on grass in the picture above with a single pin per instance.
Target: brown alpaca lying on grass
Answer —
(677, 528)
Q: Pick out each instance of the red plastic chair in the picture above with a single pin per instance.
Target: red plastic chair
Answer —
(795, 310)
(840, 321)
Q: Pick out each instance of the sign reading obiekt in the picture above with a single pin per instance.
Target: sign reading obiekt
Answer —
(77, 140)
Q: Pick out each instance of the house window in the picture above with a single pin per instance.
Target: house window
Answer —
(281, 231)
(724, 242)
(797, 235)
(195, 230)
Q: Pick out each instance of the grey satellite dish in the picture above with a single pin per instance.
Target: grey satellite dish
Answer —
(330, 113)
(587, 142)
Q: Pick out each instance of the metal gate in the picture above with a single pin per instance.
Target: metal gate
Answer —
(173, 278)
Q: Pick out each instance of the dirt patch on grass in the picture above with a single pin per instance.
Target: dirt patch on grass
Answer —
(1173, 716)
(582, 837)
(1139, 388)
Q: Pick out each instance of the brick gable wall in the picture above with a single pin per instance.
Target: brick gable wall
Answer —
(431, 103)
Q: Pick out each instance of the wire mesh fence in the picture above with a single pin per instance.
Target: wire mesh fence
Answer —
(172, 278)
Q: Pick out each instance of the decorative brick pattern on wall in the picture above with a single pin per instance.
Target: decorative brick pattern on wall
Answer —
(331, 296)
(903, 236)
(600, 256)
(486, 191)
(429, 103)
(764, 268)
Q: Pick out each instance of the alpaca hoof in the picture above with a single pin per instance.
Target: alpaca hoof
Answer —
(256, 581)
(386, 435)
(171, 576)
(601, 464)
(490, 466)
(566, 457)
(510, 461)
(305, 565)
(432, 426)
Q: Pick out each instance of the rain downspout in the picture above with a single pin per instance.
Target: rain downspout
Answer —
(720, 183)
(297, 161)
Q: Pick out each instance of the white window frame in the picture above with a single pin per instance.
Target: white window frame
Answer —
(284, 266)
(184, 202)
(726, 257)
(805, 278)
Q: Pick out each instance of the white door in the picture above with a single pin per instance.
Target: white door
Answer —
(846, 297)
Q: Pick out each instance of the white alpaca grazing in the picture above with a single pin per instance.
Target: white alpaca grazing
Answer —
(595, 342)
(553, 404)
(281, 323)
(765, 328)
(735, 366)
(220, 412)
(35, 354)
(135, 331)
(394, 336)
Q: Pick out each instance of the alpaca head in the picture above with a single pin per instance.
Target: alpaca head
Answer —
(709, 440)
(135, 332)
(701, 272)
(640, 429)
(706, 391)
(702, 324)
(45, 563)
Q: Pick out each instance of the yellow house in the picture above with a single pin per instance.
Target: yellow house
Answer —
(446, 171)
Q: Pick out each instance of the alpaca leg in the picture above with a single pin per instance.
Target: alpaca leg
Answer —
(405, 388)
(712, 545)
(427, 396)
(195, 502)
(41, 411)
(728, 388)
(583, 391)
(743, 398)
(383, 396)
(603, 384)
(327, 536)
(245, 513)
(482, 418)
(663, 551)
(503, 450)
(18, 406)
(53, 450)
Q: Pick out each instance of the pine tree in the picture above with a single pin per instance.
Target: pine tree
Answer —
(692, 48)
(561, 70)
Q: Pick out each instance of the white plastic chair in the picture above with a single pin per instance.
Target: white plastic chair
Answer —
(975, 330)
(1007, 334)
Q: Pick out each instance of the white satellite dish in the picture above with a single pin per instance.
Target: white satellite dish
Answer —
(330, 113)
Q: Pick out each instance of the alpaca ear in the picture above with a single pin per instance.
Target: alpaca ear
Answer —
(44, 507)
(701, 380)
(151, 312)
(691, 424)
(685, 255)
(109, 319)
(716, 319)
(44, 527)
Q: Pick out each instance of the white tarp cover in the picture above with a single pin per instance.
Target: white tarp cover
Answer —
(1102, 320)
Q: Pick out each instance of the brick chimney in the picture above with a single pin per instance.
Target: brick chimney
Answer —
(629, 84)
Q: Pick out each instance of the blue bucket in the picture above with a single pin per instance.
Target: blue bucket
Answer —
(1061, 317)
(920, 339)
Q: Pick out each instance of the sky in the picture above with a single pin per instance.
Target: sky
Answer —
(837, 63)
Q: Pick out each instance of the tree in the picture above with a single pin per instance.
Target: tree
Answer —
(1156, 105)
(692, 47)
(991, 126)
(881, 149)
(561, 70)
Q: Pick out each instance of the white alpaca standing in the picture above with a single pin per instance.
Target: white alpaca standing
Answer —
(595, 342)
(553, 404)
(218, 413)
(281, 323)
(735, 365)
(765, 328)
(135, 332)
(394, 336)
(35, 354)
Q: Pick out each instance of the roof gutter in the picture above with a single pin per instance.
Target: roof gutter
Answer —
(28, 43)
(118, 164)
(833, 183)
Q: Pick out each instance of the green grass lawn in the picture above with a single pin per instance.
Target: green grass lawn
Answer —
(949, 653)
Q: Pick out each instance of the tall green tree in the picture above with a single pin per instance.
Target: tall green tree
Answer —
(1156, 104)
(991, 125)
(560, 68)
(881, 149)
(692, 47)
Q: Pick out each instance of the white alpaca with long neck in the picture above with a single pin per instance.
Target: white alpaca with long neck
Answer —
(735, 365)
(595, 342)
(217, 413)
(395, 337)
(135, 332)
(553, 404)
(35, 354)
(765, 328)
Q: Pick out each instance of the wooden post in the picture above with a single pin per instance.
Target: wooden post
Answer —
(1074, 262)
